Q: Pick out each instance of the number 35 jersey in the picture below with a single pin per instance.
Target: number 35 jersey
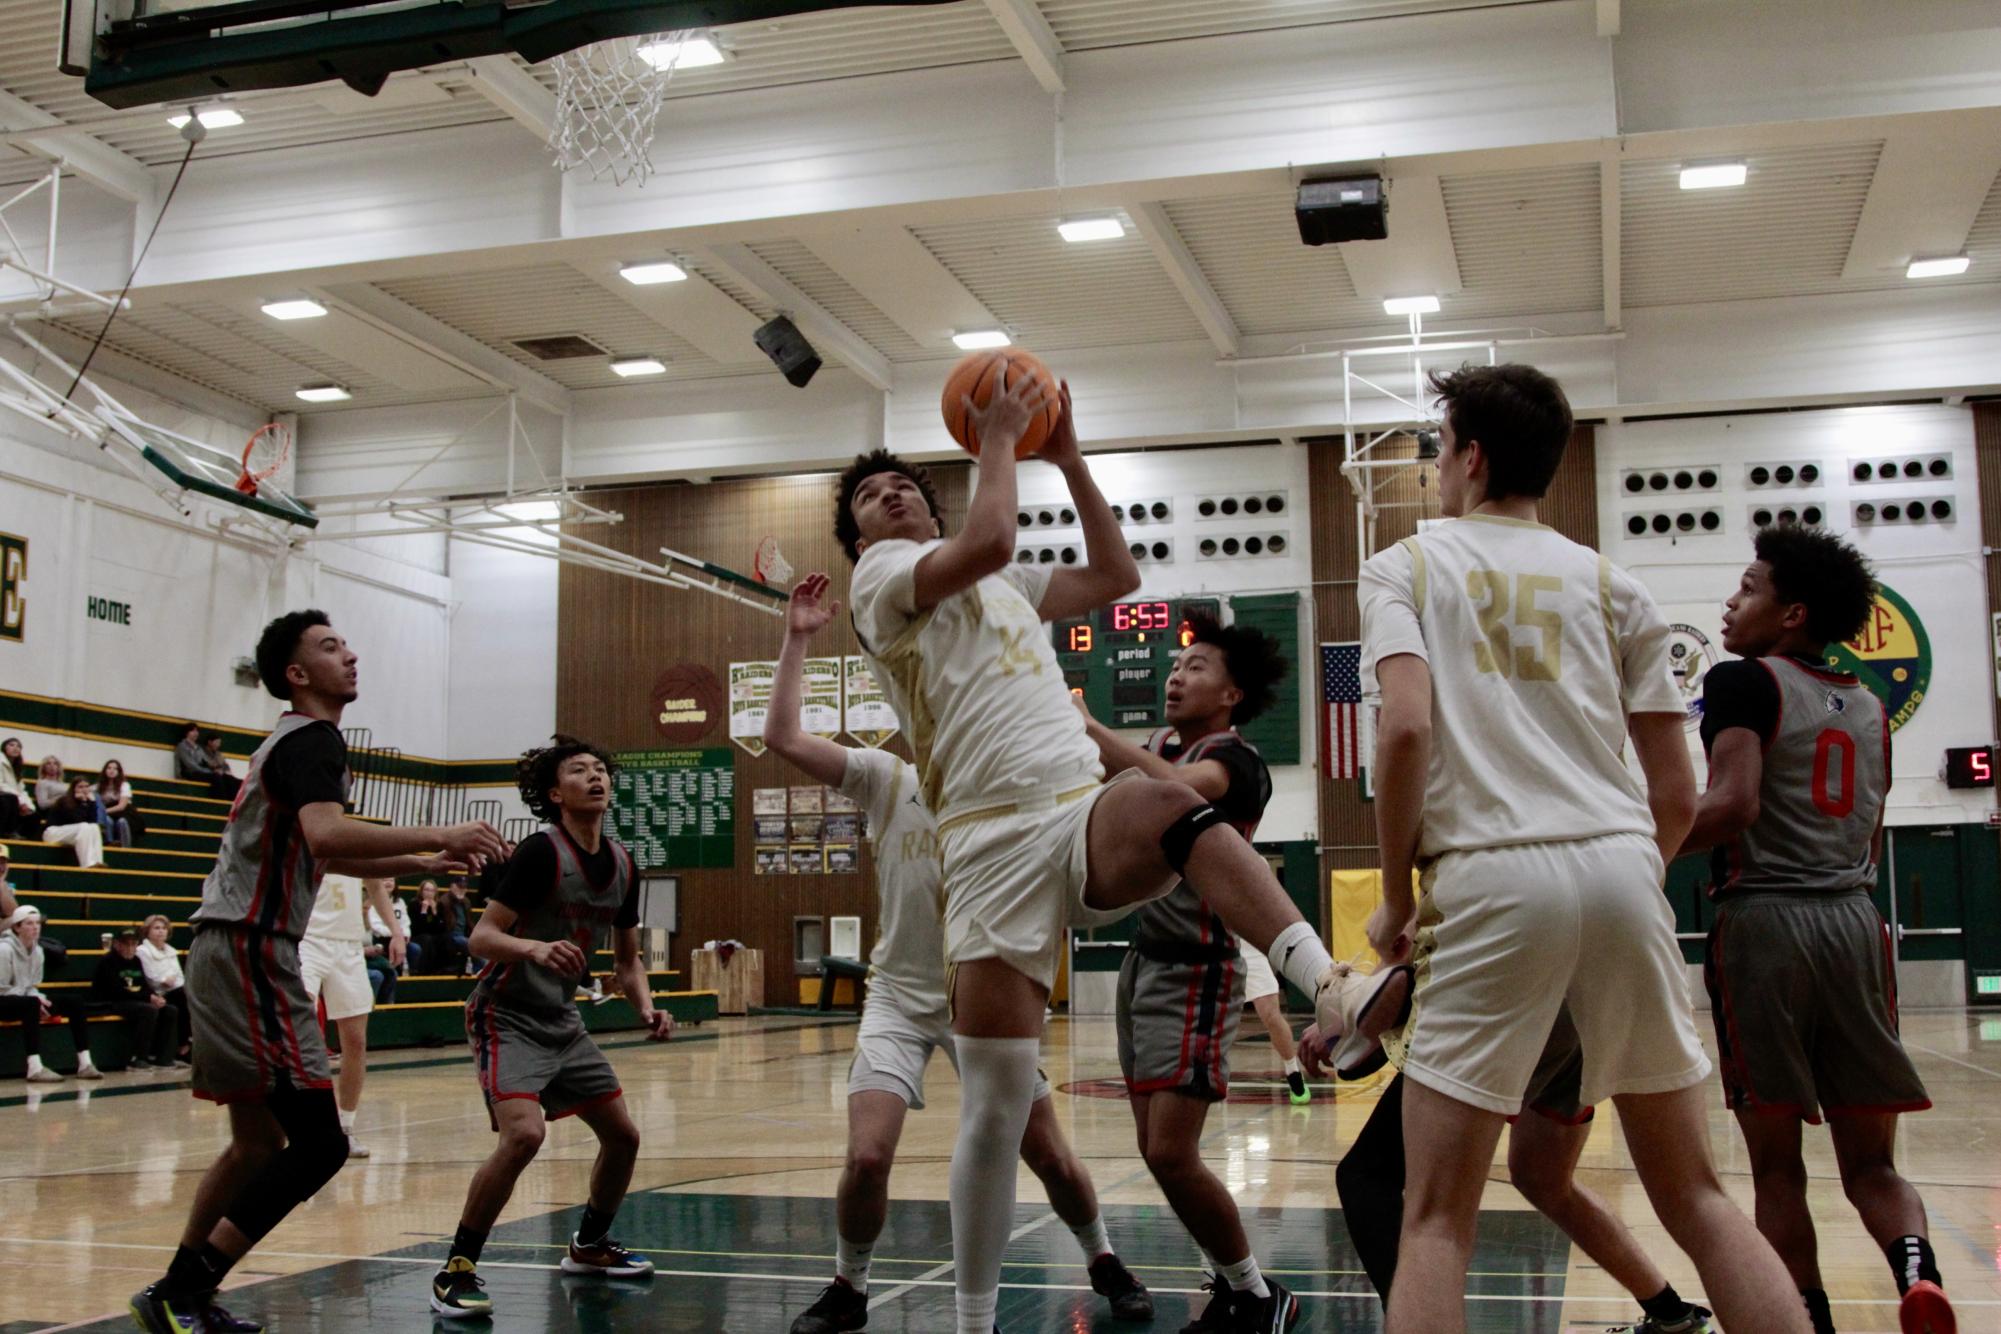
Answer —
(1538, 648)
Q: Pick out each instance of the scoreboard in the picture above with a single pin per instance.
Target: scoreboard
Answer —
(1119, 656)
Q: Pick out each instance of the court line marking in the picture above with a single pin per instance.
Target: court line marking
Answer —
(1933, 1051)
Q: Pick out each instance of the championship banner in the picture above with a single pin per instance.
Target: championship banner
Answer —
(750, 701)
(820, 697)
(869, 717)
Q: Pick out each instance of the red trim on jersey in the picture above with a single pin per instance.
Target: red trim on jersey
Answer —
(1821, 673)
(1217, 1079)
(240, 942)
(598, 1101)
(293, 1050)
(250, 914)
(1733, 1048)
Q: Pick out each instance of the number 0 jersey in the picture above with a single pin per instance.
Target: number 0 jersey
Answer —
(1538, 648)
(1825, 776)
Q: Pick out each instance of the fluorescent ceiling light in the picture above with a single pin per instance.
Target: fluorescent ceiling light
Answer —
(975, 340)
(533, 511)
(1411, 305)
(212, 118)
(1091, 229)
(322, 393)
(651, 272)
(1938, 268)
(1712, 176)
(294, 308)
(689, 53)
(639, 366)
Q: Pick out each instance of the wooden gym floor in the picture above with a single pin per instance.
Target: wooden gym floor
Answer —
(743, 1126)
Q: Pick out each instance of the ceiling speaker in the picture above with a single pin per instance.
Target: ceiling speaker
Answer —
(1351, 209)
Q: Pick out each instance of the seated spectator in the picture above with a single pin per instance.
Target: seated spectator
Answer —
(221, 780)
(120, 986)
(18, 817)
(21, 997)
(73, 822)
(378, 929)
(195, 760)
(427, 928)
(50, 785)
(7, 900)
(10, 750)
(163, 969)
(458, 923)
(375, 957)
(117, 817)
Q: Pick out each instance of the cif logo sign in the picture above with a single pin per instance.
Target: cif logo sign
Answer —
(1892, 655)
(13, 576)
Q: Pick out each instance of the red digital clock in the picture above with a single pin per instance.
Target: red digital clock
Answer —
(1141, 616)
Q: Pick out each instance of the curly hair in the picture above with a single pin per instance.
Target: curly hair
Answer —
(535, 772)
(1822, 573)
(1252, 659)
(1520, 417)
(276, 646)
(846, 531)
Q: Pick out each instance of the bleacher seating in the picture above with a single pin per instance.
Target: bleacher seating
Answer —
(164, 874)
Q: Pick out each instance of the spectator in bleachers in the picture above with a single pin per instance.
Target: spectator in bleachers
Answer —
(163, 969)
(120, 986)
(10, 750)
(379, 930)
(458, 925)
(220, 777)
(22, 1001)
(50, 785)
(427, 928)
(117, 813)
(72, 821)
(194, 761)
(17, 799)
(7, 900)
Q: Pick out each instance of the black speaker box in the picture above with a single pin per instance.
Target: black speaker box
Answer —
(1351, 209)
(788, 349)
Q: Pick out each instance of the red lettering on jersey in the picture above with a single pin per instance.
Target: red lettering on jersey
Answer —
(1824, 747)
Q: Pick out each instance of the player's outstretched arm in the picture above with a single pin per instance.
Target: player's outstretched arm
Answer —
(336, 837)
(377, 891)
(1403, 762)
(986, 544)
(1730, 804)
(806, 614)
(1109, 571)
(629, 970)
(1208, 777)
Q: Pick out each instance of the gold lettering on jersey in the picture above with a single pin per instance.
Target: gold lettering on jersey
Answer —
(1496, 653)
(1017, 653)
(918, 844)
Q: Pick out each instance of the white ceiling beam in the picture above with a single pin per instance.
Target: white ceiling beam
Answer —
(514, 90)
(900, 277)
(89, 157)
(1931, 180)
(111, 364)
(1033, 38)
(695, 310)
(813, 319)
(1608, 18)
(440, 340)
(1158, 230)
(1609, 241)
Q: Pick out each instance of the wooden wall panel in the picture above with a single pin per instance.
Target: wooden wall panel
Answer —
(617, 634)
(1404, 496)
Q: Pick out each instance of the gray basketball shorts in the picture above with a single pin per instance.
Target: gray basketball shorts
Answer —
(1176, 1023)
(545, 1058)
(1805, 1005)
(254, 1028)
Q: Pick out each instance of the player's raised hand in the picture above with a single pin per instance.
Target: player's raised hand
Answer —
(807, 611)
(441, 863)
(561, 957)
(1000, 424)
(473, 842)
(1062, 447)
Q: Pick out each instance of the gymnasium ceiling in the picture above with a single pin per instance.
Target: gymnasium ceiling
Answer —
(1564, 237)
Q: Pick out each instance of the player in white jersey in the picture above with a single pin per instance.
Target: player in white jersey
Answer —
(1029, 840)
(1512, 665)
(335, 971)
(905, 1016)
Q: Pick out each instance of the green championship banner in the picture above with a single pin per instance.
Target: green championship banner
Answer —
(676, 809)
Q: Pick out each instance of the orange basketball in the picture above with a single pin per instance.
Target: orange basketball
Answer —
(975, 376)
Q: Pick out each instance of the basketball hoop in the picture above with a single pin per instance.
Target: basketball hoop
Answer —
(263, 454)
(608, 98)
(770, 565)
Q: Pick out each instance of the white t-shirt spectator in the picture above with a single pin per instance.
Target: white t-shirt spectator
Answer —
(163, 966)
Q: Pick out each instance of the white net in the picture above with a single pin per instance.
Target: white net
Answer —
(607, 101)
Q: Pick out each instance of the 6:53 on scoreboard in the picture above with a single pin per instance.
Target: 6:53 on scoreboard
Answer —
(1119, 656)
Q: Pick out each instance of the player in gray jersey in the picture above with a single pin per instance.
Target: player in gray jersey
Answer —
(566, 891)
(1181, 987)
(906, 1017)
(1799, 971)
(257, 1042)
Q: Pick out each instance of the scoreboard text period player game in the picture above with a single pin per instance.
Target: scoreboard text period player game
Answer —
(1119, 656)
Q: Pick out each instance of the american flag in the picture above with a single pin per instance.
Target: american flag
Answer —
(1341, 710)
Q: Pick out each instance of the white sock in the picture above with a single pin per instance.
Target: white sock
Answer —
(1243, 1276)
(851, 1262)
(83, 1062)
(997, 1082)
(1093, 1238)
(1298, 956)
(34, 1065)
(1292, 1065)
(346, 1121)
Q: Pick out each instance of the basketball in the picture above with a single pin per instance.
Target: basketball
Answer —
(975, 376)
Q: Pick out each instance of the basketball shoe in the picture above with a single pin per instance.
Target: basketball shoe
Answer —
(1274, 1314)
(1361, 1007)
(457, 1292)
(1925, 1310)
(1215, 1317)
(839, 1308)
(607, 1257)
(1696, 1321)
(1111, 1280)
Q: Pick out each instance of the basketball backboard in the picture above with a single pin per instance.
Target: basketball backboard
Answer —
(137, 52)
